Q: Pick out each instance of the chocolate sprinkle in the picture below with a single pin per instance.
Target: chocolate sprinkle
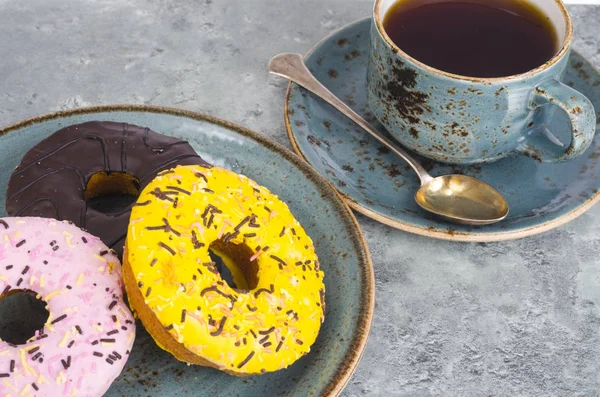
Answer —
(102, 253)
(221, 325)
(9, 267)
(261, 290)
(170, 327)
(246, 360)
(12, 365)
(33, 350)
(153, 262)
(4, 375)
(19, 282)
(71, 344)
(148, 291)
(84, 240)
(142, 204)
(215, 289)
(3, 223)
(114, 331)
(197, 244)
(200, 175)
(250, 235)
(111, 362)
(66, 364)
(25, 270)
(98, 354)
(112, 304)
(117, 355)
(279, 260)
(59, 319)
(252, 309)
(267, 332)
(267, 344)
(179, 190)
(183, 313)
(94, 343)
(263, 340)
(279, 346)
(282, 232)
(6, 289)
(111, 340)
(78, 328)
(35, 387)
(38, 355)
(20, 243)
(165, 246)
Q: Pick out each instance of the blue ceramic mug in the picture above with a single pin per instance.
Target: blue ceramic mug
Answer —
(465, 120)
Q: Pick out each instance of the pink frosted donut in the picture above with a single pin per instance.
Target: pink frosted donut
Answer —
(86, 340)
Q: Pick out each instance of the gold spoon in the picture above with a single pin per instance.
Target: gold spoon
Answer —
(457, 198)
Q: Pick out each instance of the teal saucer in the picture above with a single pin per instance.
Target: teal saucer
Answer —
(378, 184)
(342, 252)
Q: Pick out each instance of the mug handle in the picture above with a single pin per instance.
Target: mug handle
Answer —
(581, 113)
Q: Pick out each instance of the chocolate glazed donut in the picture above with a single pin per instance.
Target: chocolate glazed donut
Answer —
(91, 175)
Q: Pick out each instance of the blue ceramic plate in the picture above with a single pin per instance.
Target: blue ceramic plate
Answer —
(379, 185)
(341, 248)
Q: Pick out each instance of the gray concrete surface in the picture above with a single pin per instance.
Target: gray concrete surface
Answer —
(515, 318)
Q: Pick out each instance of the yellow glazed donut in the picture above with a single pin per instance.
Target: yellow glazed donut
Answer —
(273, 316)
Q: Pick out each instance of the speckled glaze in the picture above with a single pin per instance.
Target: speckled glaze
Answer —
(338, 241)
(541, 196)
(461, 120)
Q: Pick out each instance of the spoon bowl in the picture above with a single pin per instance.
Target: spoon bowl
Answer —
(462, 199)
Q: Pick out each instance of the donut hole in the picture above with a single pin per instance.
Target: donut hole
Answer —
(21, 316)
(111, 192)
(234, 264)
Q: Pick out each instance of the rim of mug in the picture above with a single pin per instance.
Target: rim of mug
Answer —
(558, 56)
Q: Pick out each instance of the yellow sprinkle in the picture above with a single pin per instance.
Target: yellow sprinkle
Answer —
(9, 385)
(103, 259)
(80, 279)
(101, 269)
(27, 386)
(21, 222)
(42, 281)
(63, 341)
(32, 280)
(28, 369)
(98, 328)
(61, 379)
(52, 294)
(68, 241)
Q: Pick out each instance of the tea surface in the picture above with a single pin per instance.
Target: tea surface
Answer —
(476, 38)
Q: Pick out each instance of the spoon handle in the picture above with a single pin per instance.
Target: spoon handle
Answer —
(292, 67)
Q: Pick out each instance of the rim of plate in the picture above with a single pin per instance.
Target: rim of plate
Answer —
(450, 233)
(367, 298)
